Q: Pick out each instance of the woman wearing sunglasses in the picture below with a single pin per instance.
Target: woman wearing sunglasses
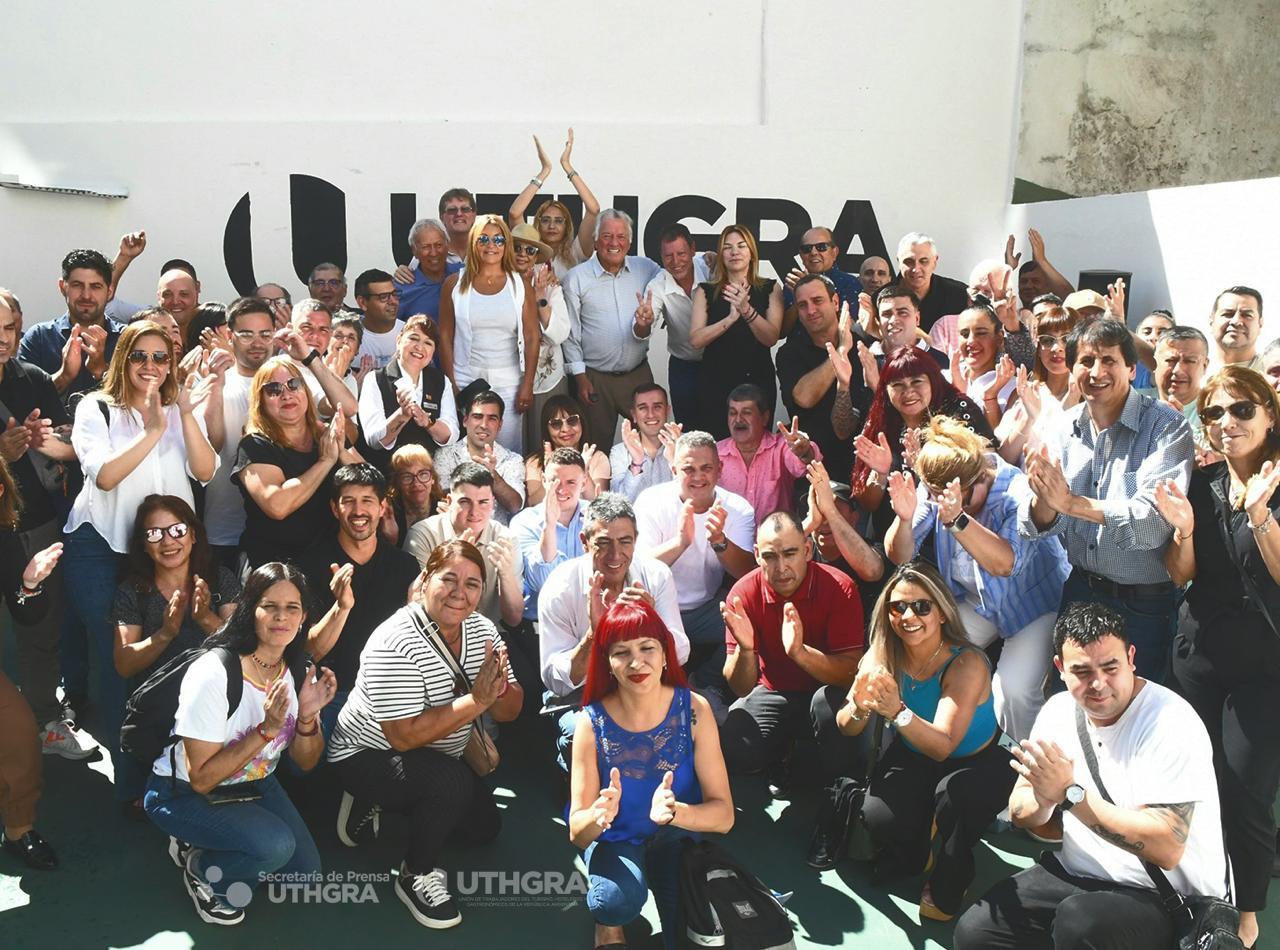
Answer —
(562, 427)
(283, 465)
(552, 219)
(1041, 394)
(532, 262)
(1226, 658)
(140, 434)
(944, 776)
(489, 326)
(1006, 586)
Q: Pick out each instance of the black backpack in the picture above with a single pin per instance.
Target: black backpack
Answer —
(725, 905)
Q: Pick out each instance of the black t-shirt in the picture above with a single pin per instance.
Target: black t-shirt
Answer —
(946, 295)
(381, 587)
(266, 539)
(797, 357)
(26, 387)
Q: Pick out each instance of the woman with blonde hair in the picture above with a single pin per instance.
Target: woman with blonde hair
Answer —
(140, 434)
(412, 494)
(1006, 586)
(489, 327)
(737, 318)
(1226, 656)
(283, 465)
(552, 219)
(944, 776)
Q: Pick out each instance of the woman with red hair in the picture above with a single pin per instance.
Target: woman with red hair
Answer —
(647, 771)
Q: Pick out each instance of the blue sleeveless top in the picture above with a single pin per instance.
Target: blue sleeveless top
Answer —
(922, 698)
(641, 758)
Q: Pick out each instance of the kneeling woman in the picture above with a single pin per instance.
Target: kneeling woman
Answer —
(944, 769)
(427, 675)
(217, 791)
(647, 771)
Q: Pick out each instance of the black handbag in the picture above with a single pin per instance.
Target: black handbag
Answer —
(844, 805)
(1200, 923)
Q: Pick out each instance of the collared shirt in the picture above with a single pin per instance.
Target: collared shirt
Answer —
(1120, 467)
(654, 470)
(428, 534)
(42, 345)
(527, 528)
(1032, 588)
(768, 483)
(510, 469)
(563, 619)
(847, 286)
(602, 310)
(423, 295)
(673, 309)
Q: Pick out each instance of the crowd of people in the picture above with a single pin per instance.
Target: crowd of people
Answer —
(988, 534)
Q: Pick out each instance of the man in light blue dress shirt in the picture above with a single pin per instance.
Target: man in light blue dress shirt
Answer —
(550, 533)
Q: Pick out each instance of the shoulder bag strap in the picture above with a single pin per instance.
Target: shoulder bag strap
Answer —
(1228, 540)
(431, 633)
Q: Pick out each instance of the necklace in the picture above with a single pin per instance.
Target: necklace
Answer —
(925, 665)
(266, 667)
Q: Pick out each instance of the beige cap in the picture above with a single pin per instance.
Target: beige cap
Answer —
(1084, 298)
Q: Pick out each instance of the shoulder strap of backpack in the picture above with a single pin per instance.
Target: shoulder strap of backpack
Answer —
(235, 678)
(106, 412)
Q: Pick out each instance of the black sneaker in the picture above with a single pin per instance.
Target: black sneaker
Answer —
(831, 832)
(211, 908)
(179, 850)
(33, 850)
(779, 775)
(354, 817)
(428, 899)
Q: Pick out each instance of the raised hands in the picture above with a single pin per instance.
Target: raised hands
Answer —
(662, 810)
(544, 163)
(738, 623)
(840, 363)
(902, 496)
(491, 679)
(867, 318)
(340, 585)
(333, 438)
(797, 441)
(155, 420)
(133, 244)
(792, 631)
(316, 693)
(1174, 508)
(631, 439)
(876, 455)
(820, 488)
(567, 154)
(1258, 491)
(1005, 372)
(1115, 299)
(950, 502)
(1011, 258)
(717, 516)
(605, 808)
(644, 313)
(41, 565)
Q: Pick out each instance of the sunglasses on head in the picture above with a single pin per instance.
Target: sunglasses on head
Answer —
(563, 421)
(176, 530)
(138, 357)
(1242, 410)
(276, 389)
(921, 608)
(497, 240)
(821, 247)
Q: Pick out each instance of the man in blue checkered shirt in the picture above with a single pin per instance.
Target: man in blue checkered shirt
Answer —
(1094, 489)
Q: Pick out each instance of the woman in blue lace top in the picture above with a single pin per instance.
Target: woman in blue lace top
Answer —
(647, 771)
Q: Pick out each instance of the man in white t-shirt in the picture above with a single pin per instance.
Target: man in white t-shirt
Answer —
(1155, 760)
(250, 321)
(705, 534)
(377, 296)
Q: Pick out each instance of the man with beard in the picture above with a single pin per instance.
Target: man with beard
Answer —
(669, 297)
(369, 578)
(75, 348)
(759, 465)
(818, 253)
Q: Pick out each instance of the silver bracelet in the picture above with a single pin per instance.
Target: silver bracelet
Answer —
(1263, 526)
(536, 181)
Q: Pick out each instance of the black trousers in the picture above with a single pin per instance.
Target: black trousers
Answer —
(444, 799)
(758, 727)
(1045, 908)
(910, 792)
(1230, 674)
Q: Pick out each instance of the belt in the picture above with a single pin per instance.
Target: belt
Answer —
(617, 372)
(1104, 585)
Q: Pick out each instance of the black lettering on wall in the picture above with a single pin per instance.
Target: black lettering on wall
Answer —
(318, 216)
(404, 212)
(237, 248)
(677, 209)
(781, 253)
(858, 220)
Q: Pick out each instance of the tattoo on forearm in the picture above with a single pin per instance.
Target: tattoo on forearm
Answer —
(1177, 817)
(1119, 840)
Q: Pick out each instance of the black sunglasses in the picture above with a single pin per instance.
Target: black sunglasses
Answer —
(138, 357)
(176, 530)
(1242, 410)
(921, 608)
(276, 389)
(821, 247)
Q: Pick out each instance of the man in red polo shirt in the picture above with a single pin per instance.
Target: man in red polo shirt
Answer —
(793, 628)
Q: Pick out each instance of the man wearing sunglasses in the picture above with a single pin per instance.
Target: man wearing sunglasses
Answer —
(378, 297)
(1093, 484)
(938, 295)
(818, 253)
(458, 212)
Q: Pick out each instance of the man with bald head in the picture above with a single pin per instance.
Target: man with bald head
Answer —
(178, 294)
(818, 253)
(938, 295)
(874, 274)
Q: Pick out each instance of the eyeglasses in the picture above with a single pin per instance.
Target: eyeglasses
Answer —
(422, 478)
(1048, 342)
(497, 240)
(276, 389)
(245, 336)
(1243, 411)
(384, 298)
(178, 529)
(821, 247)
(569, 421)
(551, 219)
(138, 357)
(332, 283)
(529, 250)
(459, 209)
(921, 608)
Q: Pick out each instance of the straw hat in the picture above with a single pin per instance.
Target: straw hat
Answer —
(529, 234)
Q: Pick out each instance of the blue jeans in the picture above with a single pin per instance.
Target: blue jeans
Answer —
(622, 874)
(1150, 623)
(682, 380)
(243, 839)
(90, 575)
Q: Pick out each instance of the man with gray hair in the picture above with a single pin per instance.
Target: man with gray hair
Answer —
(1271, 364)
(328, 284)
(610, 323)
(420, 282)
(938, 295)
(576, 594)
(306, 341)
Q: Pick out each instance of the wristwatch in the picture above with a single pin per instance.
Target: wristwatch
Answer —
(961, 522)
(542, 301)
(311, 357)
(904, 717)
(721, 547)
(1075, 795)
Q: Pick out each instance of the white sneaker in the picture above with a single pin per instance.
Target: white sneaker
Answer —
(59, 738)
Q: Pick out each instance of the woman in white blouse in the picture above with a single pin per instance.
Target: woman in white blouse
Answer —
(408, 401)
(532, 261)
(489, 327)
(142, 434)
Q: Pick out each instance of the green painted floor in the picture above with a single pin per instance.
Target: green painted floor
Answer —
(117, 887)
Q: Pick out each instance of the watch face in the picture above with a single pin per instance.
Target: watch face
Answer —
(1075, 794)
